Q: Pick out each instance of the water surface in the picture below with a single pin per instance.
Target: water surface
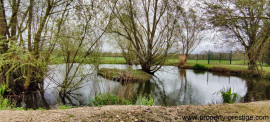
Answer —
(170, 86)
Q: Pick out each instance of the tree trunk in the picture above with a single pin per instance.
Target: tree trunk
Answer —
(3, 29)
(14, 20)
(30, 25)
(182, 60)
(147, 68)
(40, 29)
(34, 97)
(252, 63)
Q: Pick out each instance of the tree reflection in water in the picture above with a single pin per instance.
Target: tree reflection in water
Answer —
(171, 86)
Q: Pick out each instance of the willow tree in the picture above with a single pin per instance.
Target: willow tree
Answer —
(3, 30)
(189, 30)
(77, 41)
(244, 21)
(24, 63)
(149, 26)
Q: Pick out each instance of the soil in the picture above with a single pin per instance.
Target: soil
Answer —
(258, 110)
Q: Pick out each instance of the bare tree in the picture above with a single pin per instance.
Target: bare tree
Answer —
(244, 21)
(126, 48)
(149, 26)
(189, 30)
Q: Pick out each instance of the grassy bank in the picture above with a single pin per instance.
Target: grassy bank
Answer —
(124, 75)
(239, 70)
(234, 68)
(266, 68)
(257, 110)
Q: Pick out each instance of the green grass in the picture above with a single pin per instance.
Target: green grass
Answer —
(101, 60)
(242, 69)
(113, 60)
(124, 75)
(19, 108)
(108, 99)
(145, 101)
(232, 67)
(236, 64)
(64, 107)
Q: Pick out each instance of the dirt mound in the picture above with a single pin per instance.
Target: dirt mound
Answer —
(140, 113)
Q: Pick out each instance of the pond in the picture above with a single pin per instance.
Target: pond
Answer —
(169, 87)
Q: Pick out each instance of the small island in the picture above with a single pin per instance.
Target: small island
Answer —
(124, 75)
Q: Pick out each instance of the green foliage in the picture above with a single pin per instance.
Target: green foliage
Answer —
(108, 99)
(199, 67)
(19, 108)
(228, 96)
(2, 89)
(4, 102)
(17, 61)
(146, 101)
(64, 107)
(40, 109)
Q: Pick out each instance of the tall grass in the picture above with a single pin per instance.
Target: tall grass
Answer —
(145, 101)
(109, 99)
(228, 96)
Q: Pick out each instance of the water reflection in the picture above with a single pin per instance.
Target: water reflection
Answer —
(179, 86)
(258, 89)
(170, 86)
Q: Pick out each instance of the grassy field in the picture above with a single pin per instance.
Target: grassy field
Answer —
(120, 60)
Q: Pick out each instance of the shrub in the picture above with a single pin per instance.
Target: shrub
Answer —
(199, 67)
(2, 90)
(4, 102)
(108, 99)
(64, 107)
(146, 100)
(40, 109)
(228, 96)
(19, 108)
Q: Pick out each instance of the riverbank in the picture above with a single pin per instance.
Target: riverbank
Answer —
(235, 70)
(257, 110)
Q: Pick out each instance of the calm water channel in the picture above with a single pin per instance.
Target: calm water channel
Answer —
(170, 86)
